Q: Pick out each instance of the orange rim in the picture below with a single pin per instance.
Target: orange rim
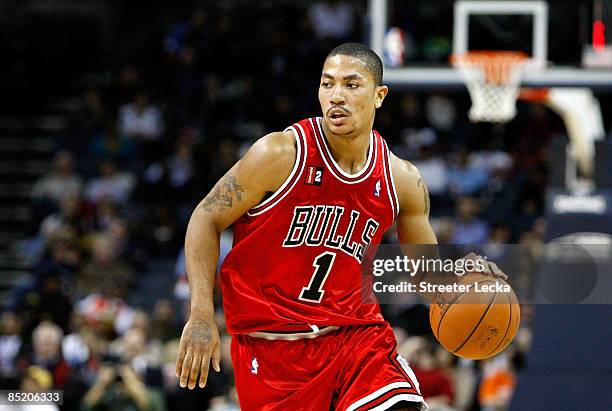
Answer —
(535, 95)
(497, 65)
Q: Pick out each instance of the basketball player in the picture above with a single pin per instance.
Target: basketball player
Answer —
(305, 204)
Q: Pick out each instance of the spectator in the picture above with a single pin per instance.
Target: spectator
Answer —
(105, 272)
(89, 119)
(69, 214)
(441, 112)
(105, 214)
(112, 184)
(127, 249)
(468, 228)
(103, 313)
(51, 301)
(108, 144)
(466, 179)
(83, 349)
(444, 228)
(139, 321)
(60, 181)
(434, 171)
(141, 120)
(61, 256)
(10, 344)
(74, 347)
(493, 160)
(436, 387)
(46, 352)
(497, 385)
(497, 244)
(169, 179)
(332, 19)
(164, 326)
(165, 234)
(120, 388)
(133, 349)
(36, 379)
(433, 168)
(462, 376)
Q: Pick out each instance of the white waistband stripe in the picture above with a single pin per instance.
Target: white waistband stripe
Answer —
(293, 336)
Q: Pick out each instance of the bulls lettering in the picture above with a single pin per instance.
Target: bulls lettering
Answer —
(320, 225)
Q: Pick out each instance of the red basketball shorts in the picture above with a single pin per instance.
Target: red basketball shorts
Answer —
(353, 368)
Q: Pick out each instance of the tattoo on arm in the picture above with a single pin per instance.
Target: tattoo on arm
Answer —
(223, 194)
(425, 196)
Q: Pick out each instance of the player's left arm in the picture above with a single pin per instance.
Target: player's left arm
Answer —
(413, 225)
(413, 219)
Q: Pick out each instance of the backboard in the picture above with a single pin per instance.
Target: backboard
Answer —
(553, 34)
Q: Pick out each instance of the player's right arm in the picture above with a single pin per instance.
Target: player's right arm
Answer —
(262, 170)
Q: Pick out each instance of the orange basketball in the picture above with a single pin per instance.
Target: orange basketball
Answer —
(477, 323)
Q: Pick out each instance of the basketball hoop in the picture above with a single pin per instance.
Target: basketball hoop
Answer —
(493, 79)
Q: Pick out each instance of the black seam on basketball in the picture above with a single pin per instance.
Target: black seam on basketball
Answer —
(477, 324)
(507, 328)
(453, 302)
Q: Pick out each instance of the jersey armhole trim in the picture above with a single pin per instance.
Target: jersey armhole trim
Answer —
(289, 183)
(389, 179)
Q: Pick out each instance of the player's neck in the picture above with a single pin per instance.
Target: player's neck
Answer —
(350, 152)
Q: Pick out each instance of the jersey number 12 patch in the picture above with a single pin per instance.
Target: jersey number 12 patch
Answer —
(314, 176)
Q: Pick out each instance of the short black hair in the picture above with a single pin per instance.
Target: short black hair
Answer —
(370, 60)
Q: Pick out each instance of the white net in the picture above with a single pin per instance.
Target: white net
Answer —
(493, 80)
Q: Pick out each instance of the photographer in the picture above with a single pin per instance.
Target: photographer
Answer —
(119, 387)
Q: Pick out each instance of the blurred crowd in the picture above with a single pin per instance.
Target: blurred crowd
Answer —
(143, 149)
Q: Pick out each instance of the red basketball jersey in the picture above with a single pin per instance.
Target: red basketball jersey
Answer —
(296, 258)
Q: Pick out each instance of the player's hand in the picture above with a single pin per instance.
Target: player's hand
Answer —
(199, 345)
(490, 268)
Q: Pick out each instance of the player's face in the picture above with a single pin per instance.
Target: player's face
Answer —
(349, 96)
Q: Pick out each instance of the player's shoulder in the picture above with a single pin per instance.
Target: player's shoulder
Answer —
(404, 172)
(279, 143)
(270, 159)
(408, 182)
(278, 147)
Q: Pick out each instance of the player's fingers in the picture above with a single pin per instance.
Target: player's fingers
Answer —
(471, 256)
(216, 357)
(204, 369)
(185, 368)
(180, 358)
(486, 267)
(497, 271)
(195, 370)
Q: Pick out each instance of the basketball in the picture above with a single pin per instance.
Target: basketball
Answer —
(478, 323)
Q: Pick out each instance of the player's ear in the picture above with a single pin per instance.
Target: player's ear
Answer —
(380, 94)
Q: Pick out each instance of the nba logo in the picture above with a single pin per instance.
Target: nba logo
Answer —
(254, 366)
(377, 189)
(314, 176)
